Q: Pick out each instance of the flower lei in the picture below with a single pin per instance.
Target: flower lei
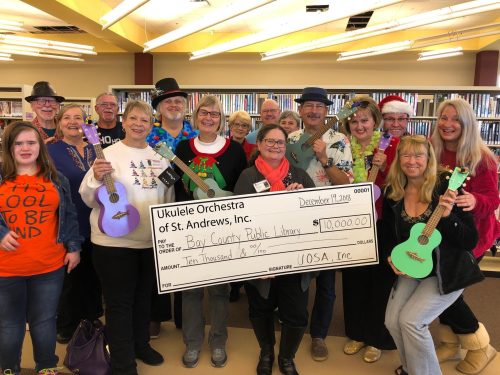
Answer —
(359, 158)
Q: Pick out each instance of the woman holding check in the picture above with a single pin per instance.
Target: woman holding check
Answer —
(288, 293)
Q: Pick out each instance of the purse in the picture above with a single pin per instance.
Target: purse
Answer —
(87, 352)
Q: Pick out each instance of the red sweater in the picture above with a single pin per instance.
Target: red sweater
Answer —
(484, 186)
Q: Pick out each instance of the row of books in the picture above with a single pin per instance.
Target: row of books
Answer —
(423, 127)
(124, 96)
(490, 132)
(11, 108)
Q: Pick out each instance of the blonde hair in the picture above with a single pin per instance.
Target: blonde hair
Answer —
(365, 102)
(61, 113)
(471, 148)
(140, 105)
(397, 180)
(242, 116)
(210, 101)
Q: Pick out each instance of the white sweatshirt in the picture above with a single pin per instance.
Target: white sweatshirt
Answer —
(137, 170)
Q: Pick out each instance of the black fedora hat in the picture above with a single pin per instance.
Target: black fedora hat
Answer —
(314, 94)
(166, 88)
(43, 89)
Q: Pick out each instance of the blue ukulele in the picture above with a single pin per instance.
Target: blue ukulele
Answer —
(414, 256)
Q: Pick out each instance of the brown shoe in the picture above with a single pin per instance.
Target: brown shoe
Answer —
(319, 351)
(154, 329)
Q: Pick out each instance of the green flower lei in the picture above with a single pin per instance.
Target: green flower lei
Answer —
(359, 165)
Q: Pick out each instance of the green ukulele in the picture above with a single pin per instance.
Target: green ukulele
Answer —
(414, 256)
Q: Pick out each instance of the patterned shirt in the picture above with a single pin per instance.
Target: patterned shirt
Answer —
(337, 148)
(158, 134)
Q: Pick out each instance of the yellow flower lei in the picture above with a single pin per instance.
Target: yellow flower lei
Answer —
(359, 158)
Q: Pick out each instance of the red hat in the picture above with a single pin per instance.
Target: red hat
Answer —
(395, 104)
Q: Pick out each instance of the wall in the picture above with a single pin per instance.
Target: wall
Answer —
(97, 72)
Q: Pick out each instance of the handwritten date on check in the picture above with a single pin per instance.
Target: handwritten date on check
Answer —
(200, 243)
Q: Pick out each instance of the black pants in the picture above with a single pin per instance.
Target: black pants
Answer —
(366, 291)
(286, 294)
(126, 277)
(161, 306)
(81, 296)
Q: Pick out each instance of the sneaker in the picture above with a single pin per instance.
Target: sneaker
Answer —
(49, 371)
(149, 356)
(319, 351)
(353, 346)
(190, 358)
(219, 357)
(154, 329)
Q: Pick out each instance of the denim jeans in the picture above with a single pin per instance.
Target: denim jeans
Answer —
(413, 305)
(324, 299)
(31, 299)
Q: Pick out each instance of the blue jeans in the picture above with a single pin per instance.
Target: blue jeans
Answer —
(31, 299)
(413, 305)
(324, 299)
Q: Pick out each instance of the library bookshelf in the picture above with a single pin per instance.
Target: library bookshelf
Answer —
(423, 99)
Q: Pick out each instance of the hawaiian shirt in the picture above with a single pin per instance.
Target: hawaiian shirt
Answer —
(158, 134)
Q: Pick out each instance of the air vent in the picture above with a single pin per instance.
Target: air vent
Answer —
(317, 8)
(359, 21)
(57, 30)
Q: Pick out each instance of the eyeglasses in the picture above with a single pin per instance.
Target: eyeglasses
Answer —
(212, 114)
(240, 125)
(309, 106)
(272, 142)
(107, 104)
(392, 120)
(419, 156)
(174, 101)
(41, 101)
(270, 110)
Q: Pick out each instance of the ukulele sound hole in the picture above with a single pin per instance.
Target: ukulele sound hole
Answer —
(423, 240)
(210, 193)
(114, 197)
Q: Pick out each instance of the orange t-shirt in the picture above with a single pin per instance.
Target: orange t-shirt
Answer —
(29, 207)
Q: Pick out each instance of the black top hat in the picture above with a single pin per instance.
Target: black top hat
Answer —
(43, 89)
(314, 94)
(166, 88)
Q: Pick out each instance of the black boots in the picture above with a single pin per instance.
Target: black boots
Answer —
(290, 341)
(264, 331)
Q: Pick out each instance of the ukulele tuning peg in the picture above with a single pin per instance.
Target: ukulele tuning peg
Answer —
(468, 178)
(447, 177)
(464, 185)
(88, 120)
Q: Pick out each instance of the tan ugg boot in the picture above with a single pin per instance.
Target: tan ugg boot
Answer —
(448, 348)
(479, 351)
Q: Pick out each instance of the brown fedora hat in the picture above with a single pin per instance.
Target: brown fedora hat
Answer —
(43, 89)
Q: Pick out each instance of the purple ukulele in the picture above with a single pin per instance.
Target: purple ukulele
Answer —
(117, 216)
(383, 143)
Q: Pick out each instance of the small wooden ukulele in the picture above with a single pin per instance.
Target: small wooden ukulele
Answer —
(414, 256)
(117, 217)
(206, 188)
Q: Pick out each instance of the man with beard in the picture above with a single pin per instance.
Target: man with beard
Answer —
(110, 128)
(170, 104)
(331, 166)
(269, 114)
(45, 103)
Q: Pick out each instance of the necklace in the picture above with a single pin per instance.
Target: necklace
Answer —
(359, 158)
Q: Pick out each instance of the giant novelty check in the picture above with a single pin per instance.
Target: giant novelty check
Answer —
(219, 240)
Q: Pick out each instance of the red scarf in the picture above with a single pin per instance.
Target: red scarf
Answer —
(274, 176)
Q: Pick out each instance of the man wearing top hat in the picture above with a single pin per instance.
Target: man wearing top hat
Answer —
(170, 104)
(332, 166)
(45, 103)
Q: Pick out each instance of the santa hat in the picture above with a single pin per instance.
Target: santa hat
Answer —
(395, 104)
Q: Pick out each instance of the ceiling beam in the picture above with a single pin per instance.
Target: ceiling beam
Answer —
(85, 14)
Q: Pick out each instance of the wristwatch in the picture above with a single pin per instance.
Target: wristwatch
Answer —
(329, 164)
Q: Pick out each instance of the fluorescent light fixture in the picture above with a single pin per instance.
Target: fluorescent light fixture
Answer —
(68, 48)
(120, 11)
(377, 50)
(294, 24)
(5, 58)
(39, 54)
(441, 53)
(213, 18)
(439, 15)
(7, 25)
